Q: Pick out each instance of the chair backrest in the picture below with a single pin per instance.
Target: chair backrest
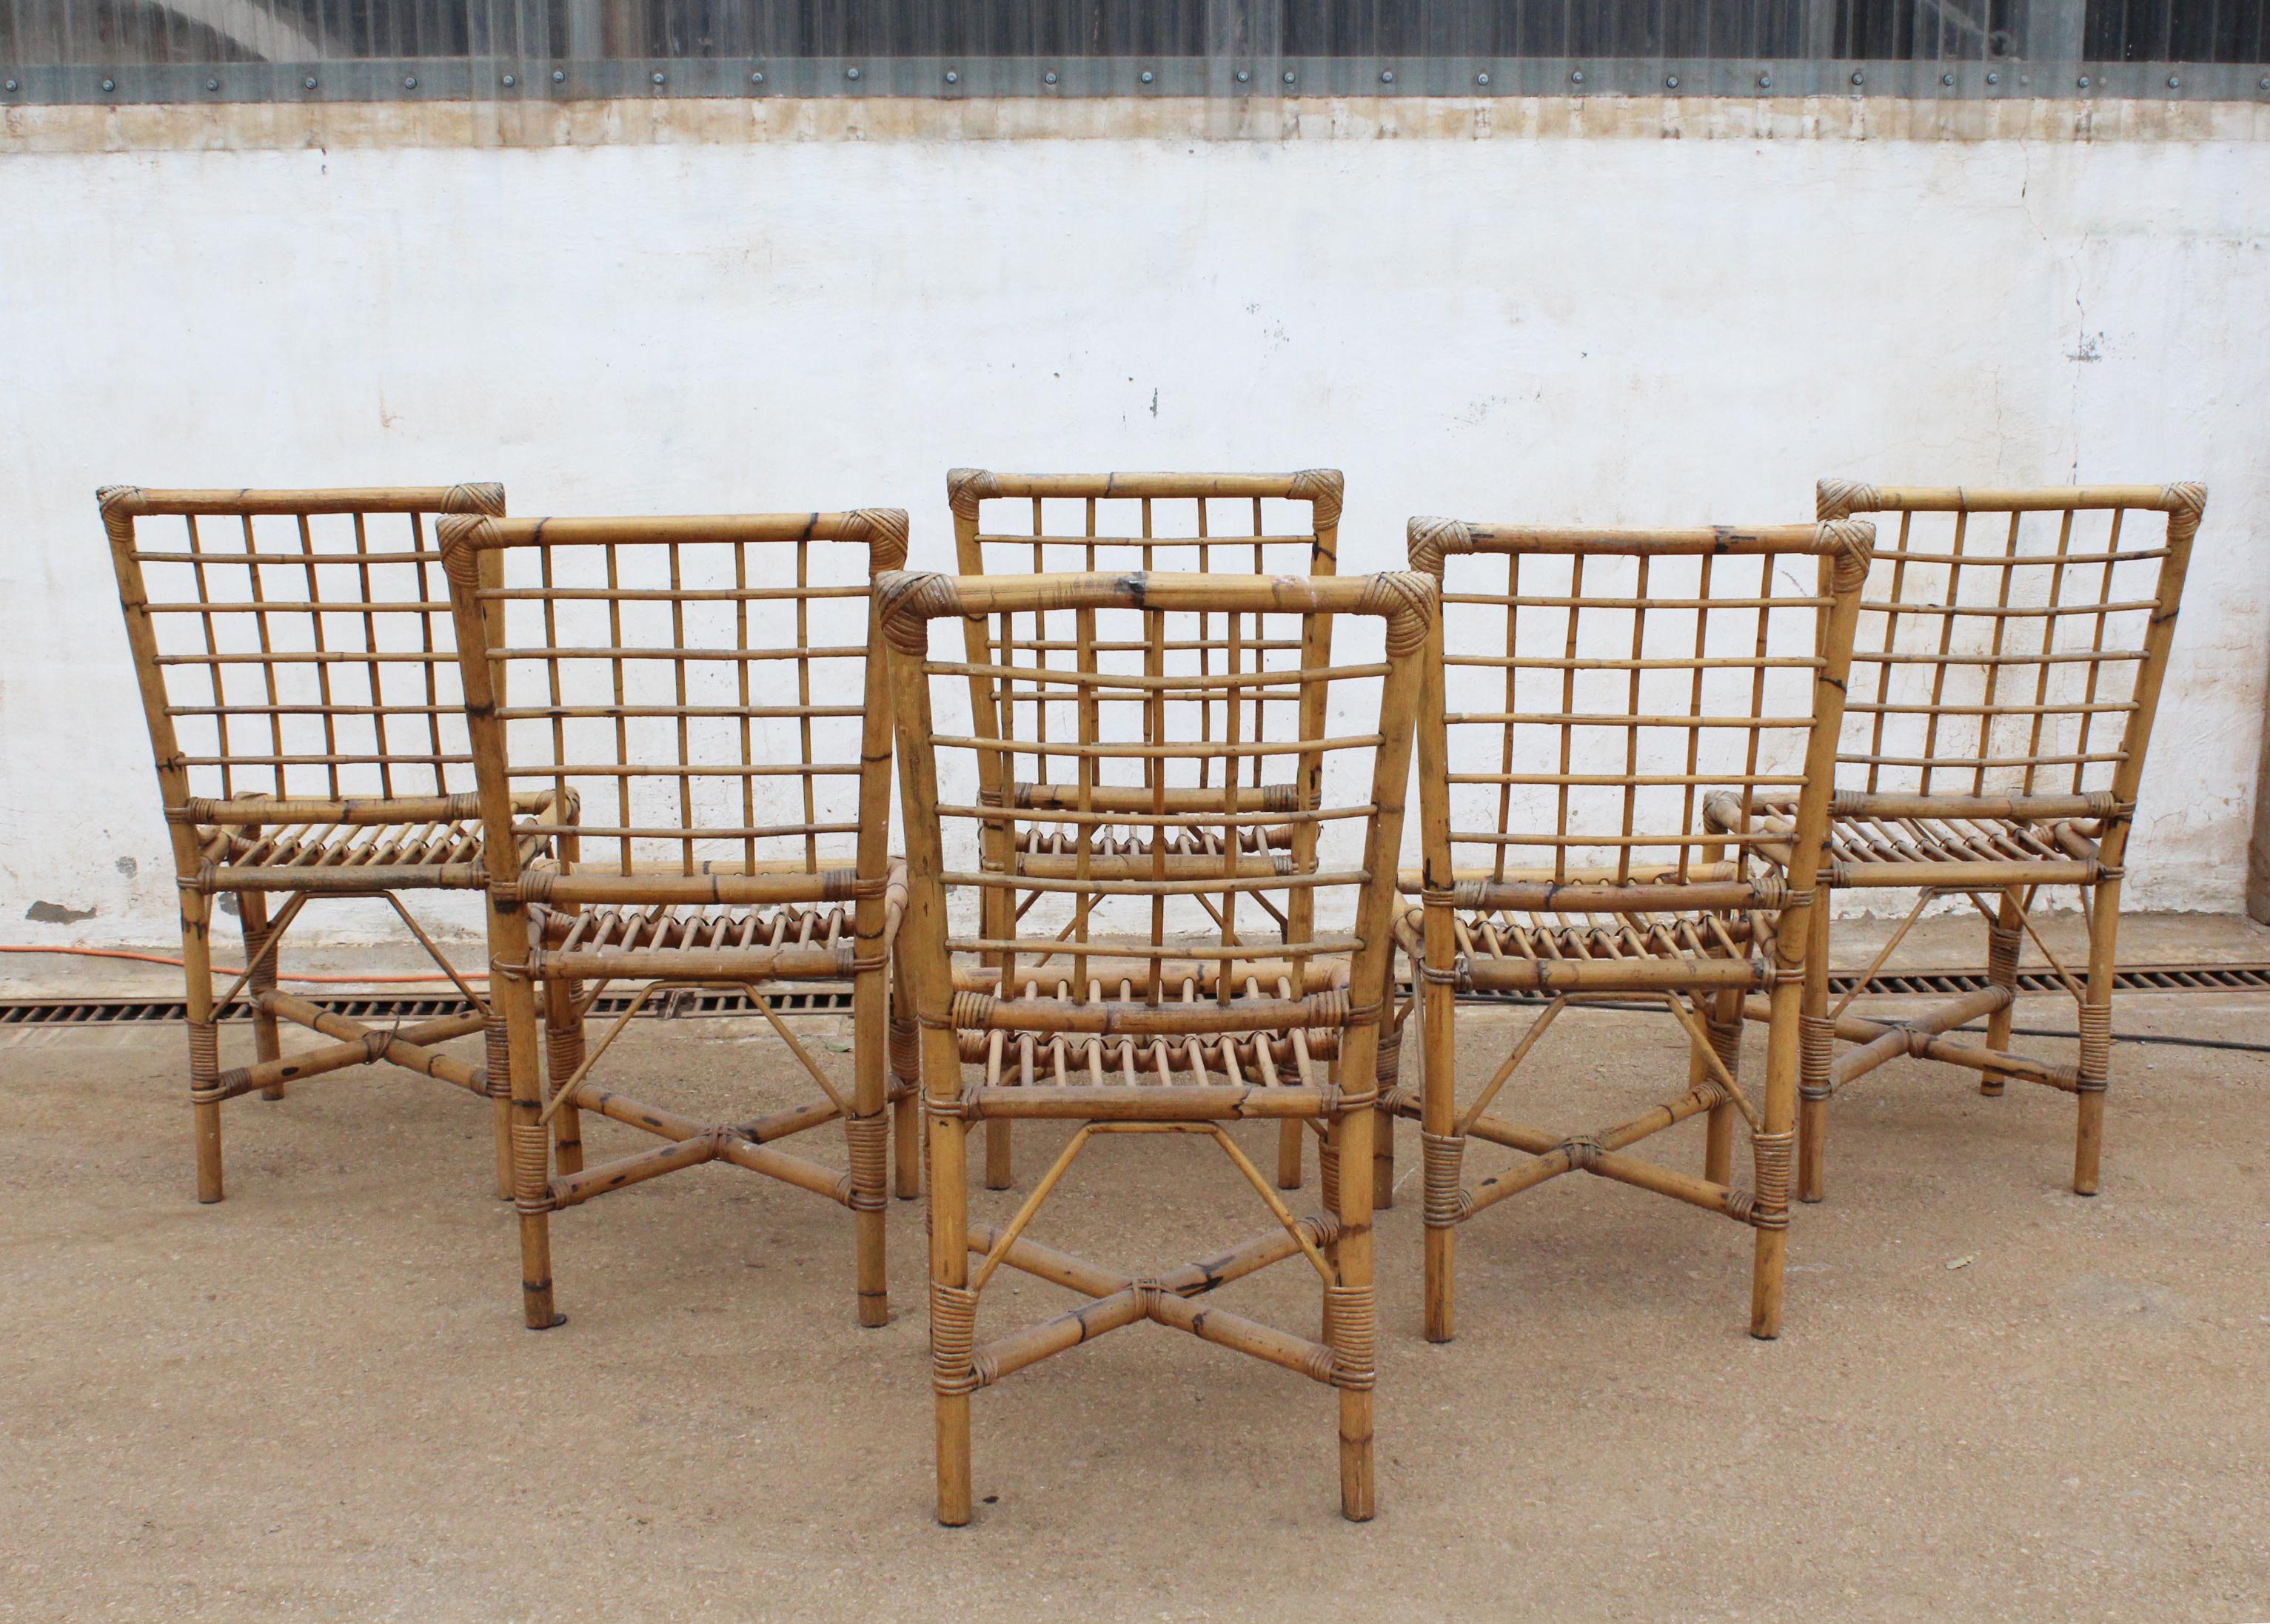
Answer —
(1109, 955)
(294, 650)
(1598, 690)
(695, 694)
(2012, 644)
(1251, 524)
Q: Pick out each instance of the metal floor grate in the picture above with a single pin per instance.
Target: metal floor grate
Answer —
(695, 1001)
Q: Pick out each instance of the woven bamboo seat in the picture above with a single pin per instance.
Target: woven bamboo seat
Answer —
(299, 680)
(1508, 950)
(1611, 684)
(1260, 524)
(701, 690)
(2010, 652)
(1080, 983)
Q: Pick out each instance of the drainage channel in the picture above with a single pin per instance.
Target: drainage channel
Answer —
(697, 1001)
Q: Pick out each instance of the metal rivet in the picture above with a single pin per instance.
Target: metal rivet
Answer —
(2262, 83)
(757, 78)
(1993, 78)
(657, 78)
(1289, 77)
(210, 84)
(1481, 79)
(1387, 76)
(2082, 81)
(2173, 81)
(410, 81)
(1146, 77)
(1048, 78)
(951, 78)
(850, 73)
(1577, 76)
(1670, 81)
(510, 80)
(1765, 81)
(10, 87)
(1860, 78)
(308, 83)
(559, 76)
(1242, 76)
(110, 83)
(1946, 78)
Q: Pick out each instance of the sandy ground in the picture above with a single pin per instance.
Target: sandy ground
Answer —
(315, 1401)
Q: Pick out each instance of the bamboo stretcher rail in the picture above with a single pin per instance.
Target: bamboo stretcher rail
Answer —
(1036, 1012)
(286, 641)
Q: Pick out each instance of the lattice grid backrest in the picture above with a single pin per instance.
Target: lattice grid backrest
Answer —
(1254, 524)
(1599, 686)
(695, 692)
(1146, 849)
(2004, 644)
(295, 644)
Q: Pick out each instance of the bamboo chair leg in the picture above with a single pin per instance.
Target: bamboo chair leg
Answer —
(2096, 1039)
(563, 1055)
(1441, 1146)
(267, 1043)
(1387, 1069)
(1771, 1146)
(906, 1072)
(1353, 1318)
(1723, 1025)
(951, 1341)
(513, 1000)
(1291, 1136)
(1816, 1045)
(868, 1138)
(205, 1039)
(2003, 939)
(999, 1172)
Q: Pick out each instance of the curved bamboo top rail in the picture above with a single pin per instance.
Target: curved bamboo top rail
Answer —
(1046, 1001)
(2022, 658)
(695, 692)
(294, 654)
(1610, 682)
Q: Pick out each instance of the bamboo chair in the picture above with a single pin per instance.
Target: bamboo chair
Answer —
(704, 686)
(1619, 678)
(1262, 524)
(1136, 994)
(302, 692)
(2004, 688)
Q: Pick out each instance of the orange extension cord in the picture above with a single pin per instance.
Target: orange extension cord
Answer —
(224, 969)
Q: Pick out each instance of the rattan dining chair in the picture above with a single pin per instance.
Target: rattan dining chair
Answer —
(1136, 992)
(703, 687)
(2004, 686)
(1260, 524)
(1609, 683)
(294, 651)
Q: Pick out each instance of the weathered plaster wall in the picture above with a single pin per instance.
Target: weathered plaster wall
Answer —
(1530, 315)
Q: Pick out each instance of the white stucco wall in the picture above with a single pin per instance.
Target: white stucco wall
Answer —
(1562, 328)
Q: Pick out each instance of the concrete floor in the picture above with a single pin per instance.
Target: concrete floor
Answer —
(314, 1400)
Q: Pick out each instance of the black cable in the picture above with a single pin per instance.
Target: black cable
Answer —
(2117, 1037)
